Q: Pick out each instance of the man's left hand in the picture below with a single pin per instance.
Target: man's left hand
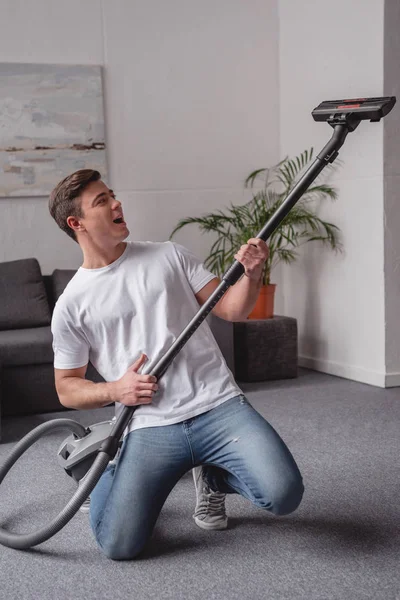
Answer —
(253, 256)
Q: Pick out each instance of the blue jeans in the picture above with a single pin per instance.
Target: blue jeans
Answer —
(243, 453)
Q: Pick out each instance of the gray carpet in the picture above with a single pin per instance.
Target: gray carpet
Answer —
(341, 544)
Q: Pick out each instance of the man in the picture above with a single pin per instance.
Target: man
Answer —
(122, 310)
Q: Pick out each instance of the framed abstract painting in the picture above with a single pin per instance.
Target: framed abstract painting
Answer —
(51, 124)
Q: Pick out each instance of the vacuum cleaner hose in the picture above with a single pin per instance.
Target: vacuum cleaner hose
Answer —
(23, 541)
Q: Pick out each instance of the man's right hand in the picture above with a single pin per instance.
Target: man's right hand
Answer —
(133, 388)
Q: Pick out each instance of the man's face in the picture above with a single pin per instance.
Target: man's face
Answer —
(103, 219)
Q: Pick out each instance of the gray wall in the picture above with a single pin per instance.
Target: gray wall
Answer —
(391, 165)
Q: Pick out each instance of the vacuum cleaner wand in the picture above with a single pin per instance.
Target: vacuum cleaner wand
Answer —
(344, 116)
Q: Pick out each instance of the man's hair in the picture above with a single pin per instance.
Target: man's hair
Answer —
(64, 203)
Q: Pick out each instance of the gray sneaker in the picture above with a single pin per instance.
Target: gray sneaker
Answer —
(85, 508)
(210, 506)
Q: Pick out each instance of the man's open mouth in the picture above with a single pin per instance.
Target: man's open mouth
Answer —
(119, 220)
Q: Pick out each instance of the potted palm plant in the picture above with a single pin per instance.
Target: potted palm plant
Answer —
(241, 222)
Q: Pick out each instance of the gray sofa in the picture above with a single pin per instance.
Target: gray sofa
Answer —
(27, 300)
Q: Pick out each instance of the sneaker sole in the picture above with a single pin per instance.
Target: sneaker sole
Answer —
(211, 526)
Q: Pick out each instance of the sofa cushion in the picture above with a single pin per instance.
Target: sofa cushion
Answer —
(26, 346)
(23, 295)
(60, 278)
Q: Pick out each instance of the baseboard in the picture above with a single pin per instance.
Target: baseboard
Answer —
(392, 380)
(350, 372)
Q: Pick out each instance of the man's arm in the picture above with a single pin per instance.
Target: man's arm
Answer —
(74, 391)
(240, 299)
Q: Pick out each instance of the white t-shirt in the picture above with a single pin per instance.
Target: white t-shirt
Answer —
(138, 304)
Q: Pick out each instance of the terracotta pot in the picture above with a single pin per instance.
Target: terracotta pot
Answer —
(264, 308)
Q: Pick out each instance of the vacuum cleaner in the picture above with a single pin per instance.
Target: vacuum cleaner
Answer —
(86, 452)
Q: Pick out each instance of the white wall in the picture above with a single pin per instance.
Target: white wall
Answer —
(330, 52)
(199, 94)
(191, 101)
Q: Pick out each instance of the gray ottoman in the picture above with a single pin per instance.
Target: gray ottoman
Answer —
(265, 349)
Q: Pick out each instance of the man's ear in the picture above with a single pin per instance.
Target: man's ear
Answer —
(75, 223)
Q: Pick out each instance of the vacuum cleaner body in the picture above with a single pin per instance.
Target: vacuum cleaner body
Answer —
(76, 455)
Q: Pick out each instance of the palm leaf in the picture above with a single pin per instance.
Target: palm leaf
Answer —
(237, 223)
(253, 176)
